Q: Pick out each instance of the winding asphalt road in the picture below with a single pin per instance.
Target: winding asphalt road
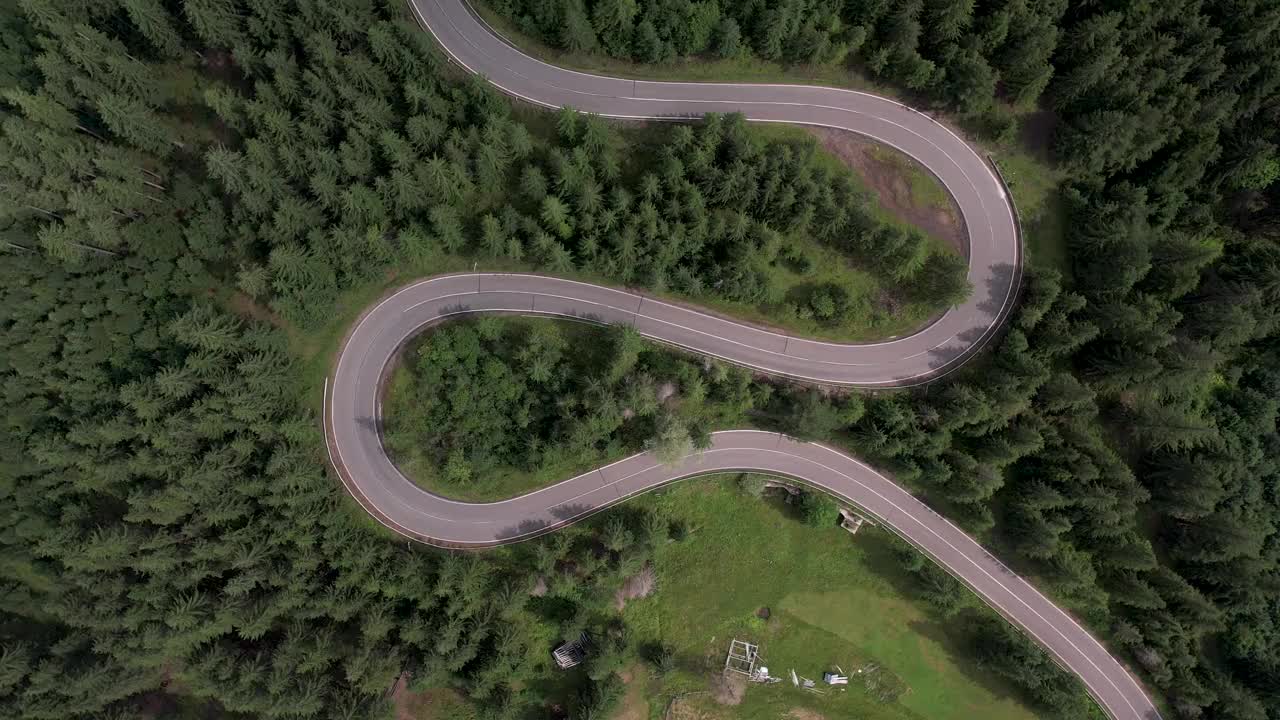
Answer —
(352, 407)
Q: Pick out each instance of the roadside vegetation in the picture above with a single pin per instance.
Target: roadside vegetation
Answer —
(698, 211)
(195, 192)
(922, 187)
(947, 55)
(1009, 128)
(867, 602)
(489, 408)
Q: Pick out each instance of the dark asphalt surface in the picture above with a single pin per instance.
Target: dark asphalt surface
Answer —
(353, 412)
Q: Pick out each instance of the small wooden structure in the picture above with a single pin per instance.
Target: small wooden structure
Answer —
(571, 654)
(742, 658)
(851, 521)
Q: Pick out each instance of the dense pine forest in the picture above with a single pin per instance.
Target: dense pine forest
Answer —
(165, 511)
(485, 398)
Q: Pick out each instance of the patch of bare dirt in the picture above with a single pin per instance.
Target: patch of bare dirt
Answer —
(403, 700)
(892, 189)
(247, 307)
(634, 704)
(539, 588)
(434, 704)
(728, 688)
(687, 710)
(637, 586)
(803, 714)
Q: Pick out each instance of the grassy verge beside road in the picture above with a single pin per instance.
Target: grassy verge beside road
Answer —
(1034, 186)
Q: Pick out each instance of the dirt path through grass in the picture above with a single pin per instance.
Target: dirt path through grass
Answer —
(904, 189)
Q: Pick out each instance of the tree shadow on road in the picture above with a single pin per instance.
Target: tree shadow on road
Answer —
(560, 515)
(999, 288)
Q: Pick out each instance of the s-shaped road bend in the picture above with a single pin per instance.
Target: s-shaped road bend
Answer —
(353, 410)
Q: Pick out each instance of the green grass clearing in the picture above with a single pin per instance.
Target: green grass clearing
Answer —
(1035, 190)
(834, 600)
(874, 319)
(433, 704)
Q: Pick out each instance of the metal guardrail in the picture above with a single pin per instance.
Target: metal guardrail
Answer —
(1017, 220)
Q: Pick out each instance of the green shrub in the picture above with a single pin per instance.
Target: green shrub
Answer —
(819, 509)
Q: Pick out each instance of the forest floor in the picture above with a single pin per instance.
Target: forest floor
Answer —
(433, 704)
